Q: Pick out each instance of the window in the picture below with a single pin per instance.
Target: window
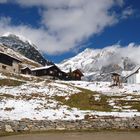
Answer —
(77, 75)
(60, 74)
(51, 72)
(4, 67)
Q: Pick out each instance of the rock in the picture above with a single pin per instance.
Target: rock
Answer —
(26, 129)
(60, 128)
(8, 128)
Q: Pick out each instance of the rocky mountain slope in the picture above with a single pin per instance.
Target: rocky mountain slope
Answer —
(97, 64)
(24, 47)
(25, 61)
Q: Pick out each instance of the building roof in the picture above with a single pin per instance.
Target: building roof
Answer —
(25, 68)
(116, 73)
(134, 71)
(12, 57)
(42, 68)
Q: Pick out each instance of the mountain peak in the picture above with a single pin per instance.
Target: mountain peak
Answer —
(18, 37)
(24, 46)
(100, 62)
(88, 50)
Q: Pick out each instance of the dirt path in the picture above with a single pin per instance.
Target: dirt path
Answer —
(78, 136)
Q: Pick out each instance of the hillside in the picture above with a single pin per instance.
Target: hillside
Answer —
(24, 47)
(28, 97)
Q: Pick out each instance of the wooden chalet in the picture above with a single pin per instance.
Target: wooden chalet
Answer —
(51, 72)
(26, 70)
(75, 75)
(9, 63)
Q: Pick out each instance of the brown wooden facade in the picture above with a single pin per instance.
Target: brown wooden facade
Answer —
(26, 70)
(52, 71)
(75, 75)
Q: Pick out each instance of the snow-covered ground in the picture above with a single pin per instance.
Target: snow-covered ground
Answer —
(2, 76)
(103, 87)
(36, 100)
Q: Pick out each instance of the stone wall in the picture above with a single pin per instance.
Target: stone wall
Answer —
(10, 69)
(100, 123)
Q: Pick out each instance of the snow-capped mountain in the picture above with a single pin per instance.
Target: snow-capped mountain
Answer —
(23, 46)
(97, 64)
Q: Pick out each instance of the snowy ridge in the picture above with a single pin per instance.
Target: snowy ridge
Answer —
(95, 62)
(22, 38)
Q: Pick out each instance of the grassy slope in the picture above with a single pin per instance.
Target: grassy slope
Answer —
(10, 82)
(85, 100)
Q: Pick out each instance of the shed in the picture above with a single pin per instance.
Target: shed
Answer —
(115, 79)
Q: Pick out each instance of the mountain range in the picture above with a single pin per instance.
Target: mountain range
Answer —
(97, 64)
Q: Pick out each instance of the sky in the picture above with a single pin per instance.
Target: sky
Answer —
(63, 28)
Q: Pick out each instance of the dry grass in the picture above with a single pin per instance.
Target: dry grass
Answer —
(10, 82)
(133, 104)
(22, 77)
(85, 101)
(7, 96)
(9, 108)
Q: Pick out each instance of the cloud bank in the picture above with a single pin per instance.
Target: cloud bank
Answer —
(131, 51)
(65, 24)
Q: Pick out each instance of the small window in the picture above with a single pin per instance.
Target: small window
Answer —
(60, 74)
(51, 72)
(4, 67)
(77, 75)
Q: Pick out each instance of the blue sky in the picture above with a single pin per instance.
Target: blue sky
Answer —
(62, 29)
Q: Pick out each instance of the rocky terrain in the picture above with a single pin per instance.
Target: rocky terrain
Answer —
(24, 47)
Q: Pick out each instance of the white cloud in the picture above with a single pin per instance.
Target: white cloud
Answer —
(132, 51)
(63, 3)
(65, 23)
(127, 12)
(3, 1)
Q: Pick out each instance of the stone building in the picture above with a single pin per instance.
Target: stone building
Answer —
(9, 63)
